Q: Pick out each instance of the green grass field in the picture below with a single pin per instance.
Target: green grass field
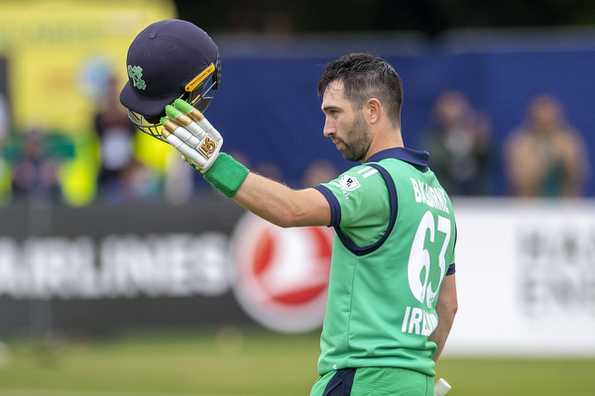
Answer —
(251, 364)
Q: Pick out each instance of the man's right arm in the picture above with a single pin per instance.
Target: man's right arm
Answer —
(282, 205)
(189, 132)
(446, 308)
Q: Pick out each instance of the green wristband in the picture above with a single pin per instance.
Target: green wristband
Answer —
(226, 174)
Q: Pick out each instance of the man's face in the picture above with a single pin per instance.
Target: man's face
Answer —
(344, 125)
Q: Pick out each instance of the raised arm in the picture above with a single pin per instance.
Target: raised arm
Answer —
(282, 205)
(446, 308)
(189, 132)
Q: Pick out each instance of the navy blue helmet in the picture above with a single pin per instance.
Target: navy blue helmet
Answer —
(169, 59)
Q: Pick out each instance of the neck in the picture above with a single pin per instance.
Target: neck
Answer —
(385, 139)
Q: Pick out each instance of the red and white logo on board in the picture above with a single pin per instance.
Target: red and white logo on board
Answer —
(281, 274)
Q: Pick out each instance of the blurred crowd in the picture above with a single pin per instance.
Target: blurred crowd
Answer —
(542, 157)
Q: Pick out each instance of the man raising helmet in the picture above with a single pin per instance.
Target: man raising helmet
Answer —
(391, 295)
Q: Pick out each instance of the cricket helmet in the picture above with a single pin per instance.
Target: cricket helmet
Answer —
(169, 59)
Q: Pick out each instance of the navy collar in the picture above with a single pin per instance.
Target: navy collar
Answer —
(417, 158)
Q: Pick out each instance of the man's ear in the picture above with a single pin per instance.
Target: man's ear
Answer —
(373, 111)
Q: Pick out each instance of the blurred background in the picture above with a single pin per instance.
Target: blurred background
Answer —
(122, 273)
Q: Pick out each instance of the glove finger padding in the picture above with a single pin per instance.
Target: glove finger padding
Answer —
(188, 110)
(195, 137)
(189, 153)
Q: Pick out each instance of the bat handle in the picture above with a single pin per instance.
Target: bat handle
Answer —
(442, 387)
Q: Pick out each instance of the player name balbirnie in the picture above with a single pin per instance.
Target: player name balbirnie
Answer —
(432, 196)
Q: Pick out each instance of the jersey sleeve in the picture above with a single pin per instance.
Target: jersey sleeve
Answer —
(358, 199)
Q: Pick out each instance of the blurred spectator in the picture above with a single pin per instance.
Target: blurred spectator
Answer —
(546, 157)
(4, 118)
(116, 134)
(139, 182)
(179, 177)
(270, 170)
(319, 172)
(458, 141)
(35, 171)
(5, 176)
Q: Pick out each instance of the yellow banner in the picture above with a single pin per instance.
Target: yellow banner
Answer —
(59, 52)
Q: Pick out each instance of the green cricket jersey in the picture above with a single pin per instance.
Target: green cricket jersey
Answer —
(394, 244)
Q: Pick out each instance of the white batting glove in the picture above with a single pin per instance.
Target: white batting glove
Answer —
(187, 129)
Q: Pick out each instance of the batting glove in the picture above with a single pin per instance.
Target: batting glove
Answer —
(189, 132)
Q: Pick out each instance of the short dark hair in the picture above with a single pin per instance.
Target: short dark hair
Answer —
(365, 76)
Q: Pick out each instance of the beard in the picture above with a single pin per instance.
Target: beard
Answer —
(357, 140)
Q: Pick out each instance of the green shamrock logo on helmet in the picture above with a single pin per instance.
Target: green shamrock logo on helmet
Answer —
(136, 74)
